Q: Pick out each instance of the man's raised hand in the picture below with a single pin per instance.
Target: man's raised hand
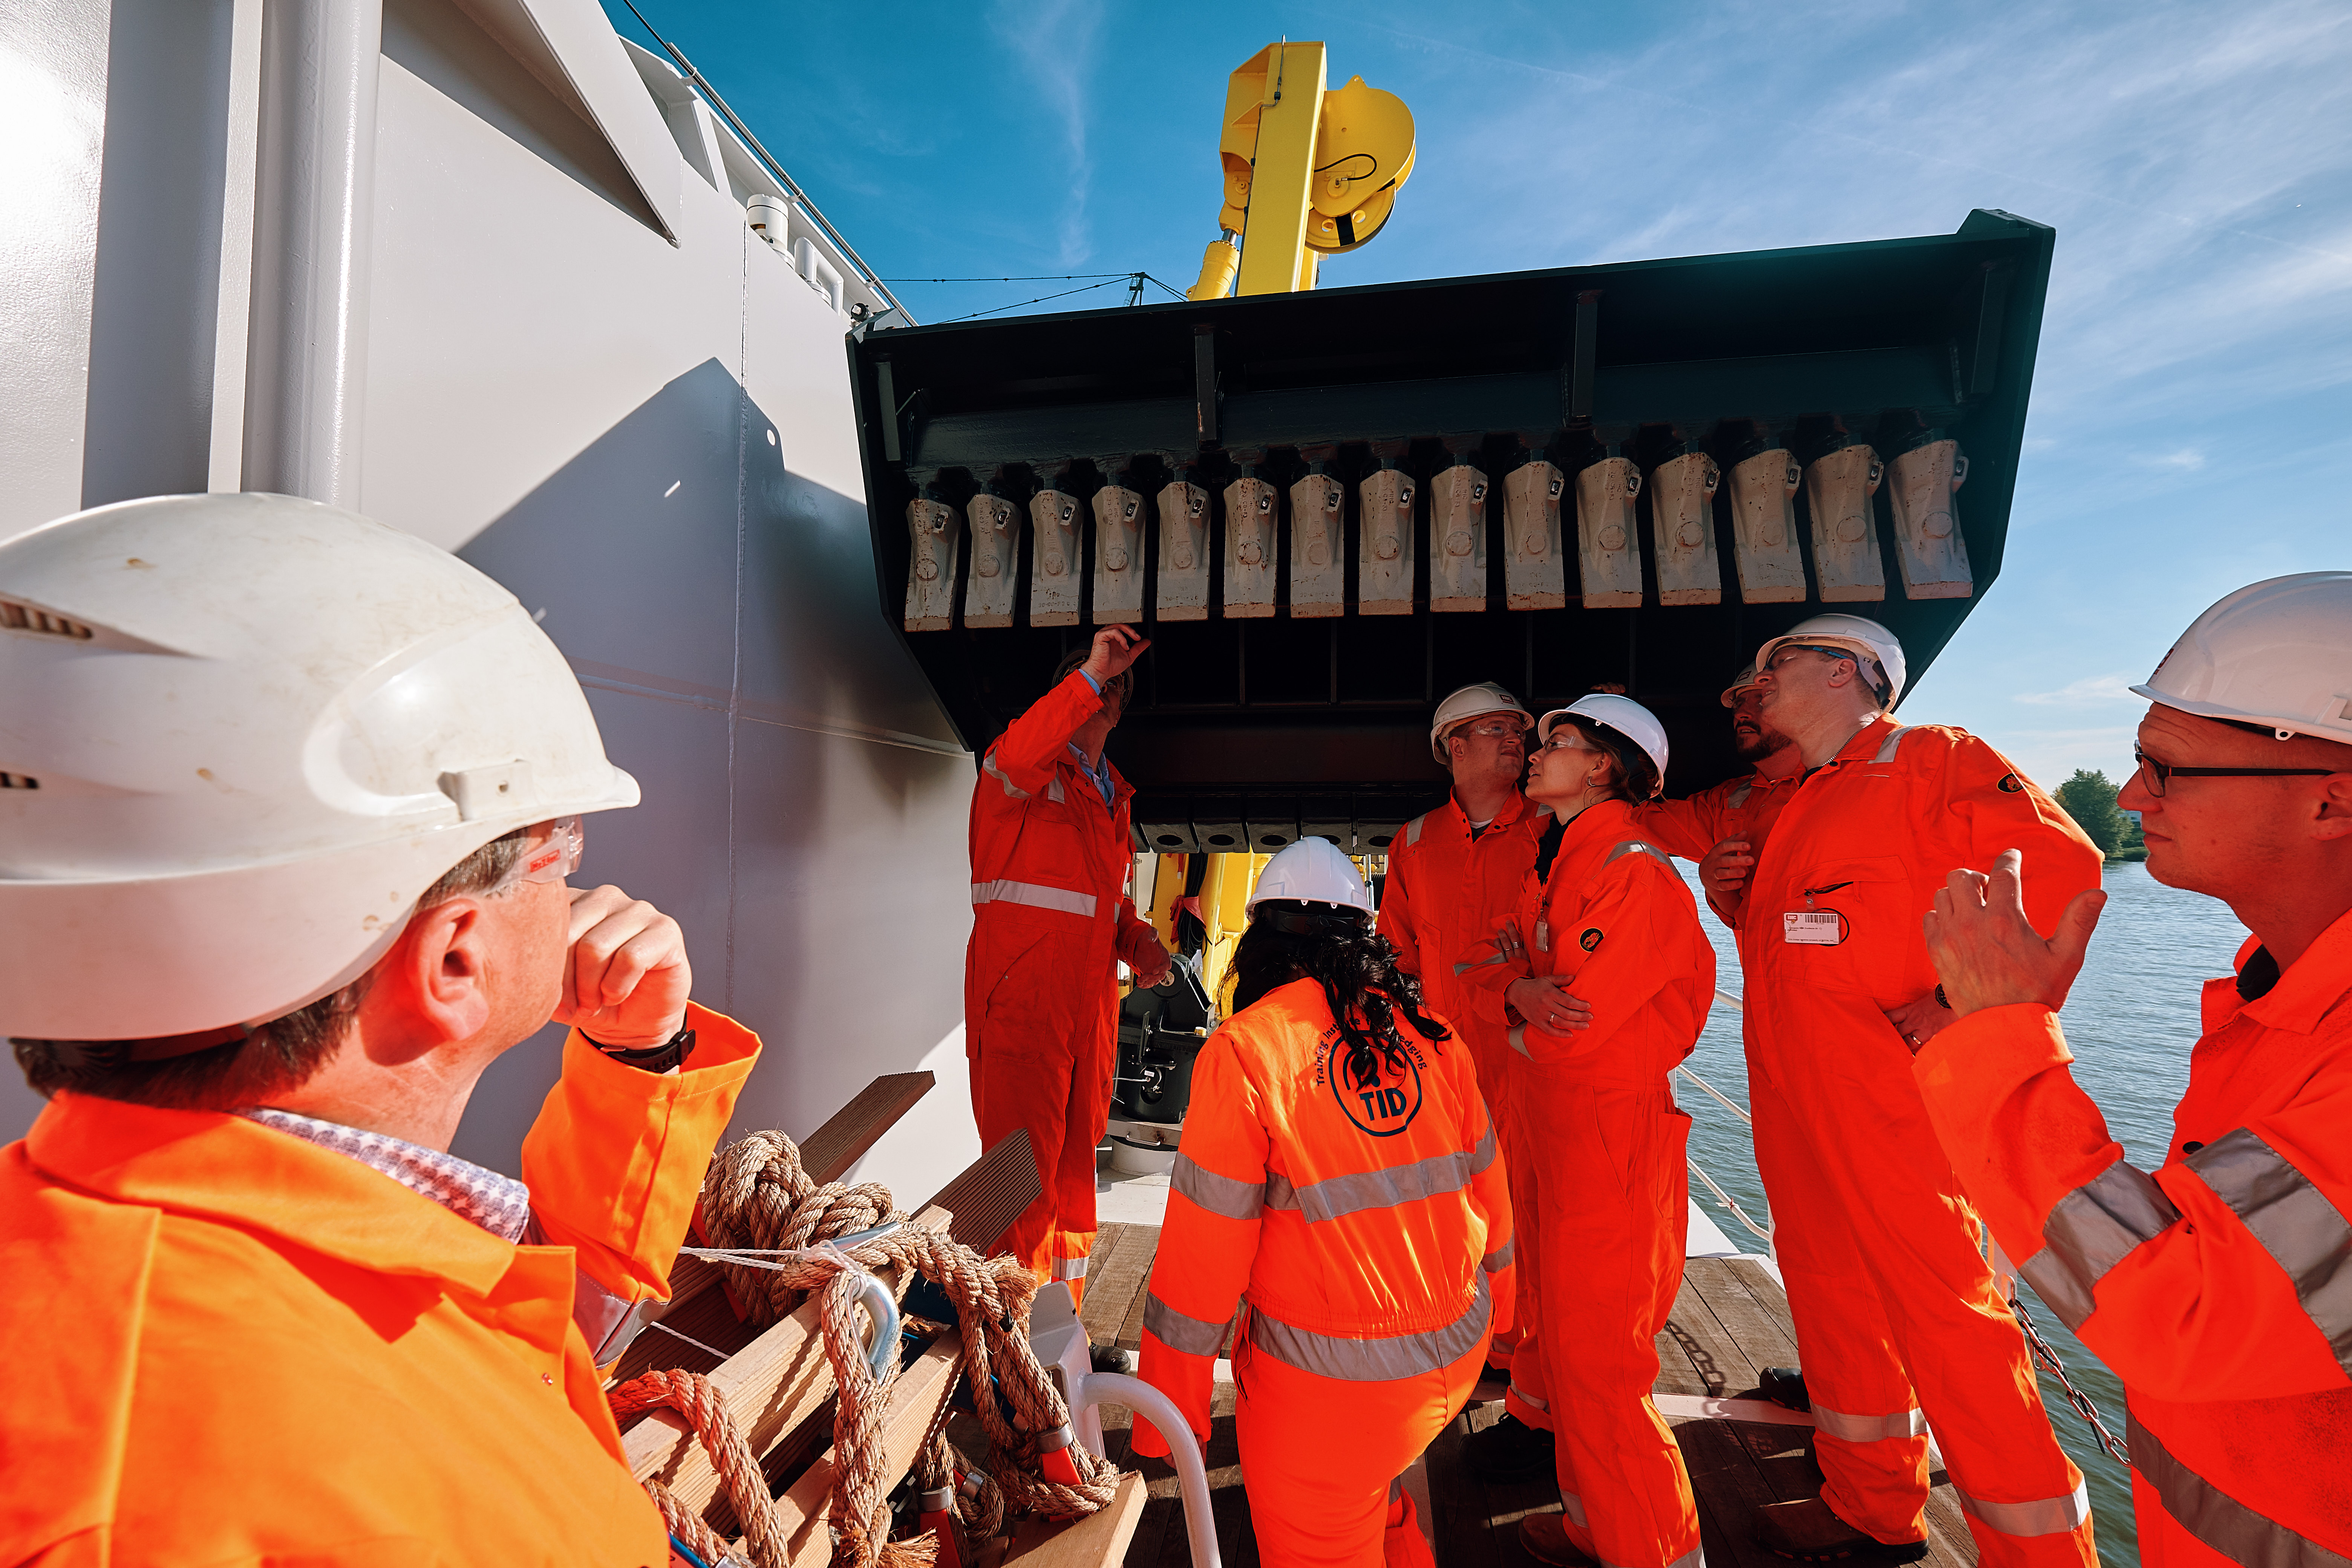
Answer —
(626, 979)
(1987, 952)
(1116, 647)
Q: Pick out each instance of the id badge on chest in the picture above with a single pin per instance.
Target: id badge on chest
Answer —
(1811, 928)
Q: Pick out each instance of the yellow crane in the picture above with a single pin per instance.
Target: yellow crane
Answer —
(1309, 172)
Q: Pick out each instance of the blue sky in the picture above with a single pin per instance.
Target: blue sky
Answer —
(2191, 426)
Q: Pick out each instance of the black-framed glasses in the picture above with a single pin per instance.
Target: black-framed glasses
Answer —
(2158, 774)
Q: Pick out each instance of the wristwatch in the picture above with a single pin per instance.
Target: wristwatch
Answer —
(671, 1053)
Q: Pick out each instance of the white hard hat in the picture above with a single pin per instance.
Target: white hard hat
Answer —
(242, 734)
(1471, 702)
(1312, 871)
(1853, 633)
(1624, 715)
(1744, 680)
(2277, 652)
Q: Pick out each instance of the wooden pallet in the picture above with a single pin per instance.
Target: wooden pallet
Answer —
(1730, 1320)
(779, 1387)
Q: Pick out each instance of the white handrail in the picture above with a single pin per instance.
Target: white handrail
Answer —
(1192, 1475)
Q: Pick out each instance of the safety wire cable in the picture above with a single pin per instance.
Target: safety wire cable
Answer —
(1134, 280)
(2080, 1401)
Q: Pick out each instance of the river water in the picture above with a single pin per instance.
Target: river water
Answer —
(2130, 1020)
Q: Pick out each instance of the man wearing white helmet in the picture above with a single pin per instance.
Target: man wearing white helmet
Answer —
(1899, 1322)
(2219, 1288)
(1455, 869)
(290, 798)
(1721, 827)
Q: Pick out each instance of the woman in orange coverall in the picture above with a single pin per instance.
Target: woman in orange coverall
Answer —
(1339, 1175)
(1604, 914)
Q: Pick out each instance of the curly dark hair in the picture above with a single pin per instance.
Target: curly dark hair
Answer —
(1355, 965)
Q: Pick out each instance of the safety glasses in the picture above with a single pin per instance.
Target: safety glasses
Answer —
(2158, 776)
(550, 859)
(1494, 728)
(1822, 649)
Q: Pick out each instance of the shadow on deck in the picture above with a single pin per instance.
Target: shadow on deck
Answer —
(1730, 1322)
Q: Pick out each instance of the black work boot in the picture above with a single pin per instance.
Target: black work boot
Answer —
(1785, 1386)
(1110, 1358)
(1509, 1450)
(1808, 1530)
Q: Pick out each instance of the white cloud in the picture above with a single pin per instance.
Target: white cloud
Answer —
(2091, 692)
(2187, 459)
(1056, 44)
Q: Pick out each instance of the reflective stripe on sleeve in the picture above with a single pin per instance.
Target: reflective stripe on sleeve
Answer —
(1500, 1258)
(1053, 789)
(1412, 828)
(1005, 891)
(1902, 1423)
(1466, 967)
(1894, 739)
(2043, 1516)
(2303, 1233)
(1634, 846)
(1484, 1154)
(1337, 1195)
(1192, 1336)
(2217, 1519)
(1519, 1041)
(988, 765)
(1372, 1360)
(1570, 1503)
(2089, 1231)
(1218, 1194)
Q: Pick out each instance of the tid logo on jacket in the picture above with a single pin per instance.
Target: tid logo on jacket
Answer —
(1378, 1089)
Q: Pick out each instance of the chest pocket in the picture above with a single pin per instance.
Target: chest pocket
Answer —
(1878, 925)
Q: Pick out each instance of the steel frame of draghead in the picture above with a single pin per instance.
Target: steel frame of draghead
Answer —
(1705, 422)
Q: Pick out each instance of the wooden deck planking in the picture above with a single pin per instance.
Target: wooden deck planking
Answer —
(1730, 1320)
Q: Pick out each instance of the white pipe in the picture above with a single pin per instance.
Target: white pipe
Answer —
(314, 203)
(1192, 1475)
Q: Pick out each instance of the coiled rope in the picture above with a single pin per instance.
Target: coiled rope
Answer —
(758, 1200)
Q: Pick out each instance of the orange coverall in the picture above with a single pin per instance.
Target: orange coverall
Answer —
(1443, 893)
(2219, 1290)
(1607, 1215)
(228, 1345)
(1050, 919)
(1369, 1227)
(1897, 1318)
(1743, 807)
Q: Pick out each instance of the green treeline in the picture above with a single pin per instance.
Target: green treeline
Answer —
(2090, 800)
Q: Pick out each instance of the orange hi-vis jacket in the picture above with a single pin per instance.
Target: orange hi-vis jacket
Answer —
(231, 1346)
(1742, 807)
(1050, 919)
(2218, 1288)
(1898, 1321)
(1443, 892)
(1367, 1224)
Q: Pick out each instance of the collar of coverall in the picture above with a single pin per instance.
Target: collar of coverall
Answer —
(1866, 741)
(2312, 985)
(217, 1165)
(1513, 809)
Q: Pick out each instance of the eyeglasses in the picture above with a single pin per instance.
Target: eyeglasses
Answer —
(1567, 740)
(551, 860)
(2160, 775)
(1493, 729)
(1821, 649)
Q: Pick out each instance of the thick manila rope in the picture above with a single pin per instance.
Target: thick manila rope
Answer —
(692, 1395)
(757, 1198)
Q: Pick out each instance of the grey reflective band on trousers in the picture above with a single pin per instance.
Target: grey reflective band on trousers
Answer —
(2043, 1516)
(1572, 1508)
(2089, 1231)
(2217, 1519)
(1364, 1189)
(2303, 1233)
(1372, 1360)
(1005, 891)
(1500, 1258)
(1906, 1424)
(1192, 1336)
(1218, 1194)
(1070, 1268)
